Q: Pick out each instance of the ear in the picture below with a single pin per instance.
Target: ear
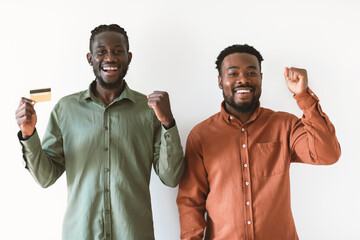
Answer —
(89, 58)
(220, 82)
(129, 57)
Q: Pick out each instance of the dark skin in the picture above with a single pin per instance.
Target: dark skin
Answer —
(110, 59)
(244, 69)
(240, 69)
(26, 117)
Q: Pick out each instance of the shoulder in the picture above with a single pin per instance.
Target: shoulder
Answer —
(208, 125)
(137, 104)
(74, 97)
(270, 116)
(69, 100)
(139, 98)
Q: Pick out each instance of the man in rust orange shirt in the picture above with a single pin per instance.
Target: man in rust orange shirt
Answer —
(238, 160)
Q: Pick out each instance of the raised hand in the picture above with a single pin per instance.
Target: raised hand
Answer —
(296, 79)
(26, 117)
(160, 103)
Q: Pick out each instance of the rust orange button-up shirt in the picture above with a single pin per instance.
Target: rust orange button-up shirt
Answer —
(239, 172)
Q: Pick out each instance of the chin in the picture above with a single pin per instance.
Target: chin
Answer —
(110, 85)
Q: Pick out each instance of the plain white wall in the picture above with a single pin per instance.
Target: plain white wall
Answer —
(174, 45)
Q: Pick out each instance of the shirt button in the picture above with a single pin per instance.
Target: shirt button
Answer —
(231, 117)
(106, 128)
(247, 183)
(248, 222)
(106, 190)
(245, 165)
(248, 203)
(243, 129)
(106, 169)
(244, 146)
(106, 148)
(167, 136)
(312, 94)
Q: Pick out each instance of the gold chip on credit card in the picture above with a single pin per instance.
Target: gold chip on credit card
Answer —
(40, 95)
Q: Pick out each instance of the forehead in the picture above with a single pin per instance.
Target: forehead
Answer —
(109, 39)
(240, 60)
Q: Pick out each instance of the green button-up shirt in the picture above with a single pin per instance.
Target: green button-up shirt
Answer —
(107, 152)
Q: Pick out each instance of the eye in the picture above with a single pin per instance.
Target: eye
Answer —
(101, 52)
(118, 52)
(233, 74)
(252, 74)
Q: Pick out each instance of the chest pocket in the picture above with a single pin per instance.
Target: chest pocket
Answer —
(268, 159)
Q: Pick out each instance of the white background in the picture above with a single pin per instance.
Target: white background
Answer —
(174, 45)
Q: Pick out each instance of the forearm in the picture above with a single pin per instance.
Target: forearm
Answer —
(193, 192)
(192, 218)
(317, 133)
(41, 166)
(170, 164)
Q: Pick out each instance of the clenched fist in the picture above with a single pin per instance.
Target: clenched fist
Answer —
(296, 79)
(160, 103)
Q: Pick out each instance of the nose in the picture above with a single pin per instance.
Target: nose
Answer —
(242, 78)
(110, 57)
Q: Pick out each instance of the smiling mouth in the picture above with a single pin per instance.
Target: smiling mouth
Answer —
(109, 68)
(243, 91)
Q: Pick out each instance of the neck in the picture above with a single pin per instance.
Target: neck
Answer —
(243, 117)
(107, 96)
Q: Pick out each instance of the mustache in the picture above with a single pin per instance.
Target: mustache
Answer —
(243, 86)
(109, 63)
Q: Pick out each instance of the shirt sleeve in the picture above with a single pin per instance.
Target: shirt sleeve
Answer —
(168, 156)
(313, 138)
(193, 192)
(44, 161)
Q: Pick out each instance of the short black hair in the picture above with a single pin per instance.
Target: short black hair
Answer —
(108, 28)
(237, 48)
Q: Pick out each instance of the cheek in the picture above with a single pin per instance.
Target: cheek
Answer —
(124, 59)
(227, 83)
(257, 83)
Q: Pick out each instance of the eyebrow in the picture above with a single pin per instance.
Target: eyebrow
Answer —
(236, 67)
(119, 45)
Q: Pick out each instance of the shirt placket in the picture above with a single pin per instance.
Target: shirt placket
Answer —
(247, 204)
(106, 169)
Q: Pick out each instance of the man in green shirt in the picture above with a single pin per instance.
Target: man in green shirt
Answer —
(106, 138)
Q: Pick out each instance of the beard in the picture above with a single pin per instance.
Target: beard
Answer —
(115, 84)
(242, 107)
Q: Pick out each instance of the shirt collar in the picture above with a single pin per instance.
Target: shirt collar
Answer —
(228, 117)
(127, 93)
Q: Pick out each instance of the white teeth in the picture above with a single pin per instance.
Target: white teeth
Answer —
(110, 68)
(243, 91)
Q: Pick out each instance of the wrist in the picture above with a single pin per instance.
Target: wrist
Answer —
(168, 124)
(26, 136)
(300, 91)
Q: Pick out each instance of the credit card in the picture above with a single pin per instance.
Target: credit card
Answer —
(40, 95)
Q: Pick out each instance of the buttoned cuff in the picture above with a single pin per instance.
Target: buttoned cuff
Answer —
(170, 135)
(306, 99)
(31, 143)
